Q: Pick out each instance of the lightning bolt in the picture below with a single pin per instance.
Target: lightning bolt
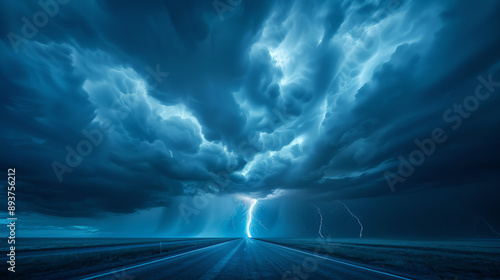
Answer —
(355, 217)
(487, 224)
(320, 221)
(336, 207)
(484, 222)
(250, 217)
(233, 215)
(260, 223)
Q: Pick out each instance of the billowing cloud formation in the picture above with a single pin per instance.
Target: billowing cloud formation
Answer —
(120, 106)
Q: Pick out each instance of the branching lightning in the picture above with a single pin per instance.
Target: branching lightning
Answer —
(336, 207)
(320, 221)
(235, 212)
(355, 217)
(260, 223)
(477, 218)
(490, 226)
(487, 224)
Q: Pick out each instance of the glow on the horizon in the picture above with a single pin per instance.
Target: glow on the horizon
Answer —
(249, 216)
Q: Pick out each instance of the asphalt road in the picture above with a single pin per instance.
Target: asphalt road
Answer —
(94, 249)
(245, 259)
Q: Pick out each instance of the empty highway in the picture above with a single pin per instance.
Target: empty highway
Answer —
(245, 259)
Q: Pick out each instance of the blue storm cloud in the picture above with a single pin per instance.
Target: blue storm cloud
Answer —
(313, 98)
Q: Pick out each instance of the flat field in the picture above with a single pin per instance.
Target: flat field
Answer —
(437, 259)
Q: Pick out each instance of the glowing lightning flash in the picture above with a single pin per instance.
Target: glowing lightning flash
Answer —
(249, 216)
(487, 224)
(260, 223)
(354, 216)
(490, 226)
(320, 221)
(233, 215)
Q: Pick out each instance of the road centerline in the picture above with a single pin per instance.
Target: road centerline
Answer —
(221, 264)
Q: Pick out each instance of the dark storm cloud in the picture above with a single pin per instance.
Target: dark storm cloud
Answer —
(319, 98)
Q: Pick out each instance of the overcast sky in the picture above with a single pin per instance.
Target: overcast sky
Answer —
(165, 118)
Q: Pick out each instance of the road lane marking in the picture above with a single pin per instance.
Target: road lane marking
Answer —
(341, 262)
(155, 261)
(216, 269)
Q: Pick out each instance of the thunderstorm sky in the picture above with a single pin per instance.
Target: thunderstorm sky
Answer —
(193, 109)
